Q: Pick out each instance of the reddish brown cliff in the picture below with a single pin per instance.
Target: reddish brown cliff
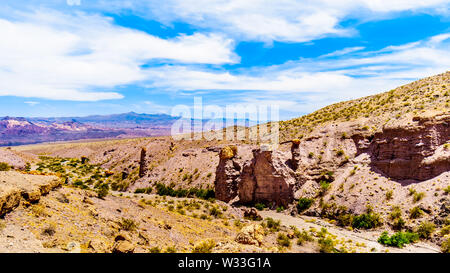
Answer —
(412, 152)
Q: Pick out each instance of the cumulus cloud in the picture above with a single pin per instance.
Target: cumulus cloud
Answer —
(70, 57)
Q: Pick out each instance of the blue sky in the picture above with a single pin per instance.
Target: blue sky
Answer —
(76, 58)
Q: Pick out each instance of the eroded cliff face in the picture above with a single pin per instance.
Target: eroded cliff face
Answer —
(267, 178)
(413, 152)
(227, 174)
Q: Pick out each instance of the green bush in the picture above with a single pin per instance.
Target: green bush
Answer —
(260, 206)
(399, 239)
(144, 190)
(304, 204)
(367, 220)
(102, 191)
(4, 167)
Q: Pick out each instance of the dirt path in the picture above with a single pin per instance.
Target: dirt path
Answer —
(366, 240)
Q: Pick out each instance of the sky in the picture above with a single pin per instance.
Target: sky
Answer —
(84, 57)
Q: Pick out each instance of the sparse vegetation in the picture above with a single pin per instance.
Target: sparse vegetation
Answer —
(205, 246)
(283, 240)
(4, 167)
(425, 229)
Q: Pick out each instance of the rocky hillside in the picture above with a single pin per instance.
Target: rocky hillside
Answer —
(429, 95)
(380, 163)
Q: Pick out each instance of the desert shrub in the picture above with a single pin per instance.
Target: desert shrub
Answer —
(389, 195)
(418, 196)
(102, 191)
(155, 250)
(144, 190)
(50, 230)
(4, 167)
(327, 245)
(399, 239)
(164, 190)
(445, 246)
(425, 229)
(171, 249)
(447, 190)
(445, 230)
(280, 209)
(367, 220)
(304, 204)
(302, 236)
(127, 224)
(260, 206)
(204, 246)
(214, 211)
(398, 224)
(415, 213)
(272, 224)
(324, 186)
(395, 213)
(283, 240)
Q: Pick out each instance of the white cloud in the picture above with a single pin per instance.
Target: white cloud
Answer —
(62, 57)
(281, 20)
(311, 83)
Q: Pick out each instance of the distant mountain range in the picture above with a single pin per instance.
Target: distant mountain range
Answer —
(20, 131)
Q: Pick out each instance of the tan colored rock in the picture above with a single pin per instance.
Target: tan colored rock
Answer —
(97, 246)
(123, 247)
(122, 236)
(228, 152)
(252, 234)
(32, 195)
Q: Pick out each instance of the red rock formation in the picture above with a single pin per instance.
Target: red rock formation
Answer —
(227, 175)
(143, 163)
(411, 152)
(267, 179)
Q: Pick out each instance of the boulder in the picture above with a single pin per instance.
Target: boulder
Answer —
(123, 247)
(252, 214)
(252, 234)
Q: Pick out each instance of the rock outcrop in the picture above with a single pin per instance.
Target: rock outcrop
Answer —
(143, 163)
(227, 175)
(16, 187)
(295, 152)
(267, 178)
(252, 234)
(413, 152)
